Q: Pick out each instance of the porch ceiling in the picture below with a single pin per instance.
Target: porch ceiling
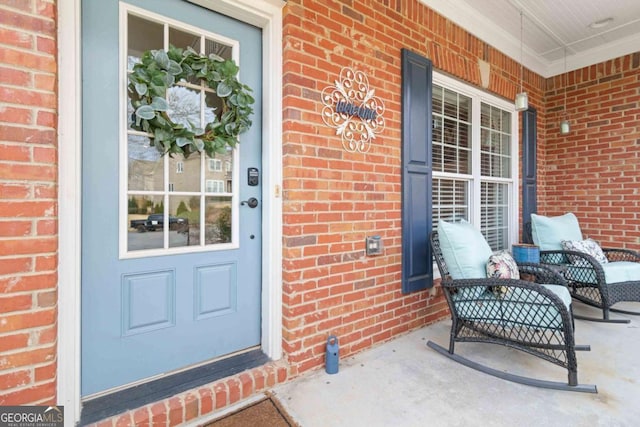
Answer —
(549, 27)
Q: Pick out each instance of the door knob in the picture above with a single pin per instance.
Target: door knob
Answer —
(252, 202)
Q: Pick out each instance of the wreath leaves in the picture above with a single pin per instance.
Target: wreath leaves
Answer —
(158, 71)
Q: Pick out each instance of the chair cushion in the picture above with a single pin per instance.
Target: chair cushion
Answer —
(523, 307)
(587, 246)
(464, 249)
(549, 232)
(614, 272)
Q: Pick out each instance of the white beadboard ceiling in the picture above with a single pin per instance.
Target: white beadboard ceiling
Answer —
(549, 27)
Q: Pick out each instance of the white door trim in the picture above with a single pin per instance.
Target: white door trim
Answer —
(266, 14)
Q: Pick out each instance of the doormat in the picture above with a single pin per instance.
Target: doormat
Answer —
(264, 413)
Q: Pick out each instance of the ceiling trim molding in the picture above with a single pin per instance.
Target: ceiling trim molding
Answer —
(487, 31)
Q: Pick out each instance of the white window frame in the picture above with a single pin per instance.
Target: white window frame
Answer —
(478, 97)
(179, 167)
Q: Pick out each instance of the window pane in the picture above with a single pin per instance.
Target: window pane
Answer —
(218, 220)
(193, 215)
(184, 39)
(450, 200)
(145, 165)
(451, 132)
(143, 35)
(184, 174)
(180, 217)
(437, 100)
(219, 173)
(495, 145)
(145, 218)
(494, 215)
(217, 48)
(450, 104)
(464, 113)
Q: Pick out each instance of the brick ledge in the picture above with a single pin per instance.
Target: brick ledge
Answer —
(202, 401)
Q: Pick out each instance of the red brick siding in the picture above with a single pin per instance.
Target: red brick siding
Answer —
(334, 199)
(28, 202)
(594, 171)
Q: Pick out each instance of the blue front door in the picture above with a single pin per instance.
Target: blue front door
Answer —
(171, 258)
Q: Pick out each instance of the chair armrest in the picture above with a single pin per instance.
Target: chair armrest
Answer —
(618, 254)
(541, 274)
(586, 270)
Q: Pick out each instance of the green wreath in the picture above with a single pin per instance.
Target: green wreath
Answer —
(158, 71)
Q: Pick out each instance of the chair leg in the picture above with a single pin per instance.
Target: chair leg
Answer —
(573, 378)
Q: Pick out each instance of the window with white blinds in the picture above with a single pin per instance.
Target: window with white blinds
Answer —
(474, 151)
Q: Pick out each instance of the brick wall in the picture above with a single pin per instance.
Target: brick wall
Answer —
(334, 199)
(28, 194)
(594, 171)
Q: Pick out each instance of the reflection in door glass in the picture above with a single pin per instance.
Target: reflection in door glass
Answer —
(146, 223)
(218, 173)
(218, 220)
(184, 221)
(191, 196)
(143, 35)
(145, 165)
(184, 174)
(184, 39)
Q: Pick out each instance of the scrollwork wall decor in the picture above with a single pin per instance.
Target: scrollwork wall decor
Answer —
(352, 108)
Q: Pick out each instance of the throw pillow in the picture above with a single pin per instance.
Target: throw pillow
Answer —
(501, 265)
(587, 246)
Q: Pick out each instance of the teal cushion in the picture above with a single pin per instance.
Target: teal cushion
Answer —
(549, 232)
(614, 272)
(464, 249)
(562, 292)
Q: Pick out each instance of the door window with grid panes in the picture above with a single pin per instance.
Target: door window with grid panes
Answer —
(474, 151)
(192, 194)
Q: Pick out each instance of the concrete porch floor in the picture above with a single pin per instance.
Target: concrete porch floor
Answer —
(405, 383)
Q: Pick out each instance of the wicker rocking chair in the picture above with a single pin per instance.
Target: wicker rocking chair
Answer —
(596, 278)
(532, 315)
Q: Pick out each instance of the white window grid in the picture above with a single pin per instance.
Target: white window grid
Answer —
(163, 195)
(484, 191)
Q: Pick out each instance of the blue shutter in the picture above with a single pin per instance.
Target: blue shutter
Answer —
(417, 266)
(529, 167)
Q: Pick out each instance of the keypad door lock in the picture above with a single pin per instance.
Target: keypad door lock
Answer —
(253, 177)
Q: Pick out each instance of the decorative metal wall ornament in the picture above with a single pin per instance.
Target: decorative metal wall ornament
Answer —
(353, 110)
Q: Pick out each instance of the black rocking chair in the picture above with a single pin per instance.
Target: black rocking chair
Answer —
(526, 316)
(589, 281)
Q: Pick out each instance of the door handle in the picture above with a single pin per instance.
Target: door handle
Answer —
(252, 202)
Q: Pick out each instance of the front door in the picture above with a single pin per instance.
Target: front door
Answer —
(171, 257)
